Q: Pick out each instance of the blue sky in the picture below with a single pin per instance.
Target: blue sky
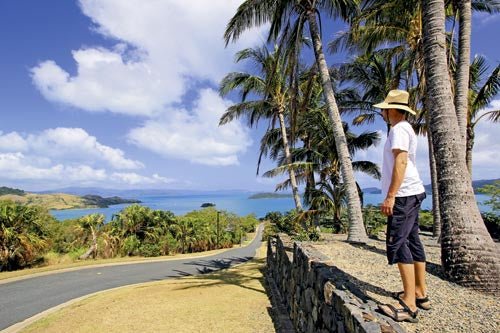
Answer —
(122, 94)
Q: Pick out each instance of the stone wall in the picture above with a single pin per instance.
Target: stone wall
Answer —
(318, 296)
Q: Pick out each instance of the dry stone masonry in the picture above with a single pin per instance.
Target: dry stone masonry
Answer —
(318, 296)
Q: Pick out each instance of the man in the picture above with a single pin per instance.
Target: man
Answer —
(404, 193)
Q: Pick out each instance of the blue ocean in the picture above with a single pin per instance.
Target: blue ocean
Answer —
(238, 203)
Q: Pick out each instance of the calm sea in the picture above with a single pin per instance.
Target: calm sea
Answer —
(235, 203)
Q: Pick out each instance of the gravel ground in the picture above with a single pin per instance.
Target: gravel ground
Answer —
(454, 308)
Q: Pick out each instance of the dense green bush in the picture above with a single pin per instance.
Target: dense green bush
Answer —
(290, 224)
(150, 250)
(24, 235)
(375, 222)
(492, 223)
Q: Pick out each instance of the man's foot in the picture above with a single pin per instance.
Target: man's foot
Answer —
(399, 314)
(422, 302)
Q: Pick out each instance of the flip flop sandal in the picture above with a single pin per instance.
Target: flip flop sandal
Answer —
(424, 303)
(404, 314)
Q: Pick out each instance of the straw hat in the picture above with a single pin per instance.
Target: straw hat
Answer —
(396, 99)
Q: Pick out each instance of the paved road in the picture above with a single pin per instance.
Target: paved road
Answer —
(23, 299)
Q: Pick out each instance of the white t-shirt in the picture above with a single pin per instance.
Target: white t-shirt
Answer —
(401, 137)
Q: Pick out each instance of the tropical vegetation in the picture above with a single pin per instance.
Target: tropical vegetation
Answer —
(28, 234)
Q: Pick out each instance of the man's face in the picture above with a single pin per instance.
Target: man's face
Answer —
(385, 115)
(390, 115)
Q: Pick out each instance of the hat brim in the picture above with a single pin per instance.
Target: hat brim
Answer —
(385, 105)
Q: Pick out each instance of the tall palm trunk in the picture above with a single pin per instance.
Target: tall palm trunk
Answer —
(436, 213)
(469, 255)
(462, 76)
(93, 248)
(288, 156)
(357, 232)
(469, 145)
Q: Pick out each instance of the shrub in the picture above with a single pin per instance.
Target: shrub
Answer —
(150, 250)
(375, 221)
(24, 235)
(492, 223)
(130, 246)
(270, 229)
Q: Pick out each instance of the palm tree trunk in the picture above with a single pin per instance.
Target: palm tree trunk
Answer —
(469, 255)
(436, 214)
(469, 145)
(288, 156)
(357, 232)
(462, 78)
(93, 248)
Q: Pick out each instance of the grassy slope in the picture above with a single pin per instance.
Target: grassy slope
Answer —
(50, 201)
(232, 300)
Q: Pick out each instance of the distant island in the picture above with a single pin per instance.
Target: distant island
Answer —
(372, 190)
(269, 195)
(96, 200)
(207, 204)
(61, 201)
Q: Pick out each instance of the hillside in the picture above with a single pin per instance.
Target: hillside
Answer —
(269, 195)
(50, 201)
(64, 201)
(8, 190)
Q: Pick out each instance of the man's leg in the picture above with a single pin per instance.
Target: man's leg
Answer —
(420, 285)
(407, 272)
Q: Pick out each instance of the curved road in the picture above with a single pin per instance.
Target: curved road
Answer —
(25, 298)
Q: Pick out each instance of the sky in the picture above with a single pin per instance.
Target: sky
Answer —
(123, 94)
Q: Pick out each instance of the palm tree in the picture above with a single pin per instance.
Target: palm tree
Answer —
(479, 98)
(272, 89)
(462, 9)
(23, 234)
(280, 14)
(462, 72)
(92, 223)
(469, 255)
(319, 156)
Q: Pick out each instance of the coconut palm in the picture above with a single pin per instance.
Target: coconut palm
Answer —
(292, 15)
(23, 234)
(92, 224)
(462, 10)
(318, 156)
(273, 93)
(479, 98)
(469, 255)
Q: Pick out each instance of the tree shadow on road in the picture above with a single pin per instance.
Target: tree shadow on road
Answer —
(217, 272)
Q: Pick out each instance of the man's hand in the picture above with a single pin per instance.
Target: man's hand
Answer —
(388, 205)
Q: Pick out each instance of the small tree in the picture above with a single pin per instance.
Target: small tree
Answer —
(493, 190)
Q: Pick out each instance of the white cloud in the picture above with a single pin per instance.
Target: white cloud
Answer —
(12, 142)
(483, 20)
(195, 135)
(67, 144)
(105, 82)
(67, 156)
(19, 168)
(162, 48)
(136, 179)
